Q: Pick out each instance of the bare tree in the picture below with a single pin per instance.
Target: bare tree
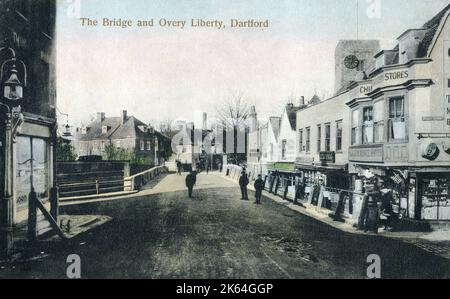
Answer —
(165, 126)
(232, 114)
(234, 111)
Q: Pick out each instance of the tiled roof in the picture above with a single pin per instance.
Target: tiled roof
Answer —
(116, 130)
(94, 129)
(129, 129)
(432, 27)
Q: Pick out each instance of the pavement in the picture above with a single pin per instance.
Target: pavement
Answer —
(164, 234)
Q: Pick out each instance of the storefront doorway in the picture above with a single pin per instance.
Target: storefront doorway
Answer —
(433, 197)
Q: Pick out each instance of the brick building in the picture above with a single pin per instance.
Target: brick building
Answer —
(126, 133)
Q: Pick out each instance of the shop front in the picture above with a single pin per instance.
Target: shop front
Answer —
(432, 198)
(282, 179)
(323, 184)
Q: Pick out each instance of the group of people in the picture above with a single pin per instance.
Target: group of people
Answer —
(244, 181)
(258, 185)
(377, 207)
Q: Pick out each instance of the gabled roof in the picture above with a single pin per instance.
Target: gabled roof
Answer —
(94, 129)
(116, 130)
(130, 129)
(275, 123)
(432, 27)
(291, 112)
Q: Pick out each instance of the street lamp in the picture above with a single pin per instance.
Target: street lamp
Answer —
(13, 88)
(11, 96)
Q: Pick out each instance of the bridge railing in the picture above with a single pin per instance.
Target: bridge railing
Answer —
(135, 182)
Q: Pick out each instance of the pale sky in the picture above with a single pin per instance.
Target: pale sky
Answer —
(159, 73)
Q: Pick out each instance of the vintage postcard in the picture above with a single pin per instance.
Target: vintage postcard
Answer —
(224, 140)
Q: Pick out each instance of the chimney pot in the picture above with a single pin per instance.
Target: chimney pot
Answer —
(124, 116)
(101, 116)
(302, 101)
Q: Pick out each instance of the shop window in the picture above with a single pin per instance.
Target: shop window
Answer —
(367, 136)
(319, 138)
(308, 140)
(397, 119)
(300, 143)
(435, 198)
(355, 127)
(339, 136)
(328, 137)
(378, 119)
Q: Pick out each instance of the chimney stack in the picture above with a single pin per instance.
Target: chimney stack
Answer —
(124, 116)
(101, 116)
(302, 101)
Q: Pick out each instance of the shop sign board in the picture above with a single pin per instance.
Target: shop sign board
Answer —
(327, 157)
(366, 154)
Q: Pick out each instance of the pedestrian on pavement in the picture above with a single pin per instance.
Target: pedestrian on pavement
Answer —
(191, 180)
(369, 210)
(387, 212)
(220, 167)
(178, 167)
(243, 183)
(259, 188)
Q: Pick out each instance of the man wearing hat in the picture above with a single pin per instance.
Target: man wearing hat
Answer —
(243, 183)
(259, 187)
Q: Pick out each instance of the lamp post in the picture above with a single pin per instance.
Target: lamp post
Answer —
(11, 97)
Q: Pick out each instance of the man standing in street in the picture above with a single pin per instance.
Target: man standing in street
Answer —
(243, 183)
(178, 167)
(191, 180)
(259, 187)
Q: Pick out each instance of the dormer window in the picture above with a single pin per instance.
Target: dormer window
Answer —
(105, 129)
(83, 131)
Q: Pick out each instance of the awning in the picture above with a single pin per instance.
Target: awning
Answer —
(328, 168)
(282, 167)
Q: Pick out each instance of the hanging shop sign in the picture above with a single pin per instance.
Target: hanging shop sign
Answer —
(429, 149)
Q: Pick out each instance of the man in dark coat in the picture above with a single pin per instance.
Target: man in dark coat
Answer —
(243, 183)
(259, 187)
(191, 180)
(178, 167)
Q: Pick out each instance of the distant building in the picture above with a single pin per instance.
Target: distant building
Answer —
(124, 132)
